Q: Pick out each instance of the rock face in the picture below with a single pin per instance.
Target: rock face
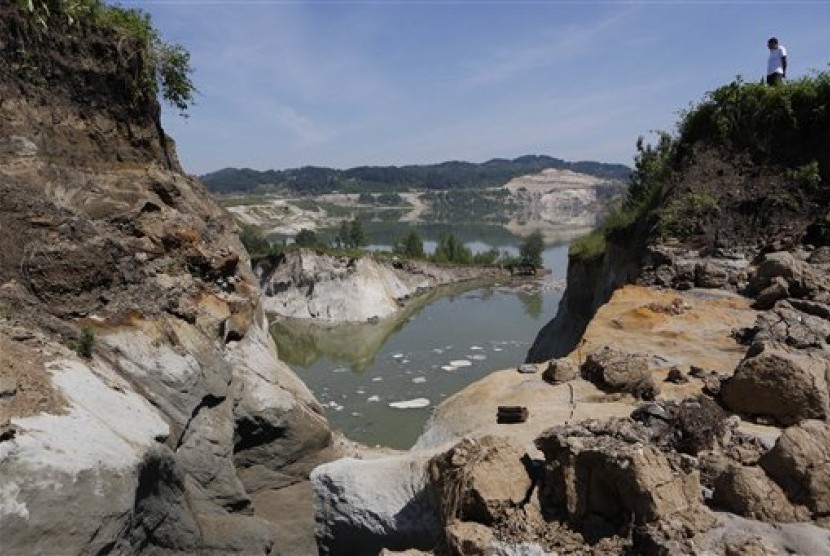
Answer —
(171, 409)
(590, 283)
(334, 289)
(571, 200)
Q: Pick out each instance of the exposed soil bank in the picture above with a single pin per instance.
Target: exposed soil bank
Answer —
(330, 289)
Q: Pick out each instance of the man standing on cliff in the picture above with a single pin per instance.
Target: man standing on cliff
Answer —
(777, 64)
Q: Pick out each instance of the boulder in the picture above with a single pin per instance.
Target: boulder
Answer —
(778, 289)
(780, 383)
(711, 275)
(814, 308)
(478, 479)
(779, 264)
(739, 536)
(468, 538)
(676, 376)
(605, 476)
(689, 427)
(820, 255)
(560, 370)
(791, 326)
(362, 506)
(747, 491)
(800, 463)
(614, 370)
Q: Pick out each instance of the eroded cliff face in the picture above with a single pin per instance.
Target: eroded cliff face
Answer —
(590, 283)
(173, 411)
(334, 289)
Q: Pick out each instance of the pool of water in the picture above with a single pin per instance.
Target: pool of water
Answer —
(437, 346)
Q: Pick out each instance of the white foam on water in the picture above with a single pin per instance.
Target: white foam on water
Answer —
(419, 379)
(478, 357)
(377, 379)
(397, 355)
(476, 348)
(460, 363)
(374, 398)
(448, 368)
(417, 403)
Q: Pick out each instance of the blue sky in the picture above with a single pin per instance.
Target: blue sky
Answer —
(348, 83)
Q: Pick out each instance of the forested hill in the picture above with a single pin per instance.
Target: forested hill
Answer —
(447, 175)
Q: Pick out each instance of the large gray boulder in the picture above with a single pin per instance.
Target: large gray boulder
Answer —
(362, 506)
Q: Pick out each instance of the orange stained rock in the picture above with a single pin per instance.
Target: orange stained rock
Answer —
(699, 335)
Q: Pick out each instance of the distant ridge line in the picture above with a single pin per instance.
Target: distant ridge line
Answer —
(315, 180)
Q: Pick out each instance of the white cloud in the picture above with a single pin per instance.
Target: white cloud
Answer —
(555, 46)
(306, 130)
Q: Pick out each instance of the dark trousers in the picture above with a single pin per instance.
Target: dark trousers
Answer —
(775, 79)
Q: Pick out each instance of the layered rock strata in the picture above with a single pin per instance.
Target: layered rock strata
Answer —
(143, 406)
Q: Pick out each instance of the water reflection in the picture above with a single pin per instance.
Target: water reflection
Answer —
(532, 303)
(303, 343)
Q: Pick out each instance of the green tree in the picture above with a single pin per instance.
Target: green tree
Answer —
(254, 240)
(531, 250)
(305, 238)
(357, 237)
(342, 239)
(411, 246)
(451, 250)
(488, 257)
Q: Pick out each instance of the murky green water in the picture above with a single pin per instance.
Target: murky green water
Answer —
(437, 347)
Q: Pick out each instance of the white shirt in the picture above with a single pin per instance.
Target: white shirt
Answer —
(775, 64)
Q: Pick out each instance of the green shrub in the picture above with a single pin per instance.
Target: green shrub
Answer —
(165, 67)
(785, 125)
(83, 346)
(682, 216)
(487, 258)
(254, 241)
(306, 238)
(589, 246)
(807, 176)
